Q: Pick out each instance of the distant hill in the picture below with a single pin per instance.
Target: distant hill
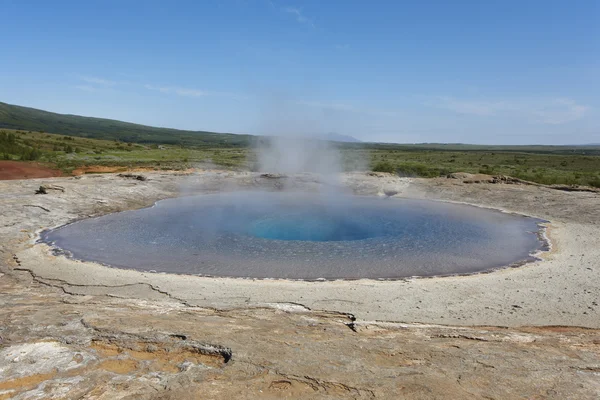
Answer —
(336, 137)
(17, 117)
(26, 118)
(31, 119)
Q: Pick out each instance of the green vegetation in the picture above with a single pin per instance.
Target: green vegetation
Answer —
(68, 152)
(546, 168)
(12, 149)
(460, 147)
(31, 119)
(69, 142)
(410, 169)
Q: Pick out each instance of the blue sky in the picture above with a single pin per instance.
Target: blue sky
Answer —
(491, 72)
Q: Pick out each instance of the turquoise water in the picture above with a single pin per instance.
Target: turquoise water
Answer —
(313, 226)
(276, 235)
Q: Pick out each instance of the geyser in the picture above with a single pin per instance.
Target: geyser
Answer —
(302, 236)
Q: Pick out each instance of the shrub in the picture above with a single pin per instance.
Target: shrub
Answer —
(486, 169)
(410, 169)
(594, 182)
(384, 166)
(30, 154)
(570, 180)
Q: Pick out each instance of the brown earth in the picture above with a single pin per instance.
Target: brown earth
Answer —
(10, 170)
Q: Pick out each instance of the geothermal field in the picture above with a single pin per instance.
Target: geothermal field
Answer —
(295, 284)
(296, 199)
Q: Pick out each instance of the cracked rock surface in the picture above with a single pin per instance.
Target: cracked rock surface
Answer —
(73, 330)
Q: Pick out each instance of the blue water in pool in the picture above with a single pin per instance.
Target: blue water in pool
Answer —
(308, 225)
(298, 236)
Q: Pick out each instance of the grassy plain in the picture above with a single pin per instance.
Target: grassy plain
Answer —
(542, 164)
(546, 168)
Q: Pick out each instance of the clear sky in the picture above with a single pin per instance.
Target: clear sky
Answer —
(491, 72)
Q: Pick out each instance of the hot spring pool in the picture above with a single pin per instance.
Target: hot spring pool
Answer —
(298, 236)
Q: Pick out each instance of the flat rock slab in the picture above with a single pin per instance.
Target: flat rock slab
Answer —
(89, 347)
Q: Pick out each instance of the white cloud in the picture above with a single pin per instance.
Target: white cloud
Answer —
(347, 108)
(98, 81)
(86, 88)
(299, 15)
(332, 106)
(160, 89)
(472, 107)
(177, 90)
(542, 110)
(190, 92)
(560, 111)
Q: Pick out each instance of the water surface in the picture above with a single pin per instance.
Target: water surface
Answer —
(277, 235)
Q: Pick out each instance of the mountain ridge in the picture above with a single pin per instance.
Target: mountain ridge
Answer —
(28, 118)
(21, 117)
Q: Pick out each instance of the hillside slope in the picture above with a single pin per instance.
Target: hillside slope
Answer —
(31, 119)
(17, 117)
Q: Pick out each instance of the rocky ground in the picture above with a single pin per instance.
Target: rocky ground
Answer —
(73, 330)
